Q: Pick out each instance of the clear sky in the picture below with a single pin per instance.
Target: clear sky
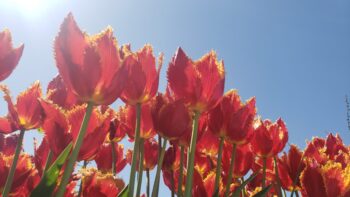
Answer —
(294, 56)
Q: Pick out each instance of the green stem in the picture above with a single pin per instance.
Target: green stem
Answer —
(148, 182)
(218, 167)
(182, 158)
(140, 173)
(279, 191)
(264, 173)
(159, 167)
(136, 150)
(243, 190)
(48, 161)
(113, 158)
(230, 172)
(75, 152)
(11, 174)
(81, 182)
(190, 162)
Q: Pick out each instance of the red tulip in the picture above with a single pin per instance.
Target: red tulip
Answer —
(170, 119)
(103, 158)
(243, 160)
(200, 83)
(41, 154)
(62, 127)
(25, 178)
(332, 148)
(89, 65)
(58, 93)
(327, 180)
(116, 132)
(26, 114)
(143, 77)
(151, 154)
(289, 168)
(9, 56)
(232, 119)
(269, 138)
(128, 119)
(95, 183)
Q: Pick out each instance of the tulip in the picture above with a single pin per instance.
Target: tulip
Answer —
(8, 143)
(9, 56)
(269, 139)
(143, 76)
(104, 161)
(95, 183)
(25, 114)
(200, 83)
(90, 66)
(59, 94)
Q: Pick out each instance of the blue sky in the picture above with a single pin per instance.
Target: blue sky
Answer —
(294, 56)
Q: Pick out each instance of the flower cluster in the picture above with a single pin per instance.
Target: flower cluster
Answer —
(199, 139)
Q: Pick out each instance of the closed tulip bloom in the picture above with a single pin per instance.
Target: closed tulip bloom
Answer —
(151, 154)
(9, 56)
(26, 113)
(171, 119)
(200, 83)
(269, 138)
(232, 119)
(143, 76)
(89, 65)
(290, 167)
(103, 158)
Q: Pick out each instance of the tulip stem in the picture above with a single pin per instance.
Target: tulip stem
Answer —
(148, 182)
(182, 158)
(279, 191)
(136, 150)
(190, 162)
(159, 167)
(11, 174)
(75, 152)
(113, 158)
(218, 167)
(264, 173)
(231, 170)
(140, 173)
(48, 161)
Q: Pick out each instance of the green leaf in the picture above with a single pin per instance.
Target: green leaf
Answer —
(124, 192)
(263, 192)
(237, 192)
(49, 179)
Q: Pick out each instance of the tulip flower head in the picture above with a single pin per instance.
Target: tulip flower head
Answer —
(200, 83)
(89, 65)
(9, 56)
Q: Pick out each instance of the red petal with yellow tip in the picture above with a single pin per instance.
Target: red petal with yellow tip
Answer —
(143, 76)
(200, 83)
(28, 107)
(9, 56)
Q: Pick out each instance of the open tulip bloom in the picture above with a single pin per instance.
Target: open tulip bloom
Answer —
(200, 140)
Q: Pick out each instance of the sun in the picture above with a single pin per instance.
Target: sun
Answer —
(30, 8)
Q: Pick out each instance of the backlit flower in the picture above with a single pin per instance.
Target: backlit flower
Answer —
(9, 56)
(103, 158)
(26, 113)
(269, 138)
(232, 119)
(200, 83)
(89, 65)
(143, 77)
